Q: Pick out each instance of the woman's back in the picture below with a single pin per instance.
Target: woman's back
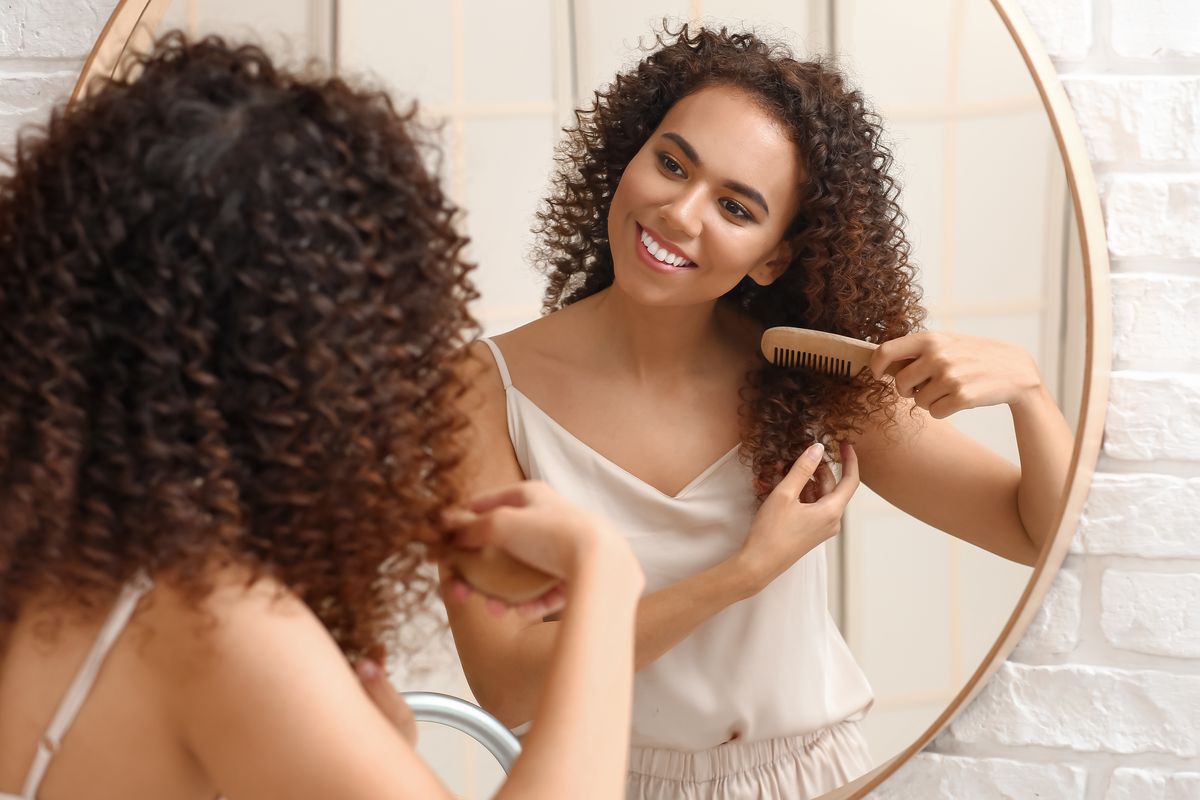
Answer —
(248, 685)
(125, 710)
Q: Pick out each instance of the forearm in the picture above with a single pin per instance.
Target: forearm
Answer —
(1044, 442)
(580, 738)
(668, 616)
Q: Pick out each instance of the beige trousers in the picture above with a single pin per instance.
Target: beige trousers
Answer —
(793, 768)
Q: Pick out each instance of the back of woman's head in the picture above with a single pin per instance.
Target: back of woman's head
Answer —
(229, 300)
(848, 271)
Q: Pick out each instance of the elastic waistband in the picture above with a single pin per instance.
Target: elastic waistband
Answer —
(729, 758)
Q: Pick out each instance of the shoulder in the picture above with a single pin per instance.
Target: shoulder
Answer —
(250, 669)
(237, 622)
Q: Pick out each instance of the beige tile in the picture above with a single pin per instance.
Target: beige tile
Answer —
(508, 164)
(407, 44)
(508, 52)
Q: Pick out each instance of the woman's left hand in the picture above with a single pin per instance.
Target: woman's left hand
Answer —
(949, 372)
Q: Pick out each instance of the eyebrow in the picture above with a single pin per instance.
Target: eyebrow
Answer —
(736, 186)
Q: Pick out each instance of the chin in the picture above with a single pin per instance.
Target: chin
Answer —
(643, 290)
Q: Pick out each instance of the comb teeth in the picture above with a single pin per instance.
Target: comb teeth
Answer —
(787, 357)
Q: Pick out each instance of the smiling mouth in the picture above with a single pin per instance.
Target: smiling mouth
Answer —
(659, 252)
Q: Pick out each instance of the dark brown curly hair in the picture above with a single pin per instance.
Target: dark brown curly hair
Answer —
(849, 273)
(231, 303)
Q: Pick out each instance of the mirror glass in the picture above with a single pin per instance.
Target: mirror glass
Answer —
(983, 187)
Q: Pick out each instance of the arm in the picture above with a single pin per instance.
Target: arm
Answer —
(941, 476)
(310, 730)
(270, 708)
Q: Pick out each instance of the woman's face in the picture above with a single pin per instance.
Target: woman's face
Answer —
(705, 202)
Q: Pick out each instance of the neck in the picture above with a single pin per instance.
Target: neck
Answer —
(656, 341)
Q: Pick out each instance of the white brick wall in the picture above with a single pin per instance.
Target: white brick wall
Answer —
(1155, 29)
(1140, 784)
(1055, 629)
(1152, 612)
(42, 47)
(1102, 699)
(935, 776)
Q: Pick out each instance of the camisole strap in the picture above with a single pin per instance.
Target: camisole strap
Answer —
(79, 689)
(500, 363)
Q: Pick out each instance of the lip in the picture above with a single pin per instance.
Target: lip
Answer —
(652, 262)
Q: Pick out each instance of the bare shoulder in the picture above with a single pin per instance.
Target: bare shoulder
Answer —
(551, 348)
(251, 670)
(186, 639)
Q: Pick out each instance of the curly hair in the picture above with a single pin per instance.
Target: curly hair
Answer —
(849, 271)
(232, 300)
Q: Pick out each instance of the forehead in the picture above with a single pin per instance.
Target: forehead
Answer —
(736, 139)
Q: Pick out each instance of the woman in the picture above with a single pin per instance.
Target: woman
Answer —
(717, 189)
(231, 300)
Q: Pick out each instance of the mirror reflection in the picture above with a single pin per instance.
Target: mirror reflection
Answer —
(987, 215)
(628, 401)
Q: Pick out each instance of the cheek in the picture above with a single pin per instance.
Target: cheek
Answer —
(737, 251)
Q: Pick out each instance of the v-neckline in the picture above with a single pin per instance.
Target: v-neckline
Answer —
(692, 484)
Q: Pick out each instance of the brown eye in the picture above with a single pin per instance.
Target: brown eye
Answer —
(736, 209)
(670, 164)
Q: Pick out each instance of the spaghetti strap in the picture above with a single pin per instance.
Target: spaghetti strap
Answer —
(500, 363)
(78, 691)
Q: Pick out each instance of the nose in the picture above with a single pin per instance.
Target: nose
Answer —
(682, 214)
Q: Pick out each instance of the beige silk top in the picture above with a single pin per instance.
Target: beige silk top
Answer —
(771, 666)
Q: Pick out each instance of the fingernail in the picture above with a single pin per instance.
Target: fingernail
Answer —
(460, 590)
(367, 669)
(456, 517)
(815, 452)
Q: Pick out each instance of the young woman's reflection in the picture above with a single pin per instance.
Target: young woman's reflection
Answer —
(231, 306)
(717, 189)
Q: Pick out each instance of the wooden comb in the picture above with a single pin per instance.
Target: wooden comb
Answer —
(495, 573)
(821, 351)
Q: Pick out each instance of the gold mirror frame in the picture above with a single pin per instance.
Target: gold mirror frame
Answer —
(132, 27)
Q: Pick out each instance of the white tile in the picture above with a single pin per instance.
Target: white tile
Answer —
(1003, 210)
(911, 69)
(990, 66)
(508, 164)
(610, 35)
(407, 44)
(989, 588)
(919, 168)
(898, 600)
(787, 22)
(508, 52)
(281, 27)
(890, 730)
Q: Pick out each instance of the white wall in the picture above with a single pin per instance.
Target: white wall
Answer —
(1102, 701)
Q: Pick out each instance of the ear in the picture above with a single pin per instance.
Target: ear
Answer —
(770, 268)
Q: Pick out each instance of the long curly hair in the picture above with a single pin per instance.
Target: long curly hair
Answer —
(231, 303)
(849, 271)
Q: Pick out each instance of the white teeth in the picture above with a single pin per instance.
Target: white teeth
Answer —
(661, 253)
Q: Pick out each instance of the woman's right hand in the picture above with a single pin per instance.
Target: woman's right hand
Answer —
(802, 511)
(535, 524)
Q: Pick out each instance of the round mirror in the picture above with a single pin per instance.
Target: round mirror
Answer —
(1002, 217)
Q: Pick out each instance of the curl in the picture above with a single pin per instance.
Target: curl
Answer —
(849, 271)
(231, 303)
